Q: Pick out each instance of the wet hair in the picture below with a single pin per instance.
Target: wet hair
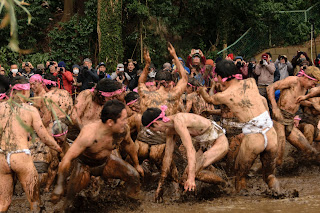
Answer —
(150, 80)
(19, 80)
(56, 127)
(51, 77)
(163, 75)
(149, 115)
(105, 85)
(226, 68)
(131, 96)
(111, 110)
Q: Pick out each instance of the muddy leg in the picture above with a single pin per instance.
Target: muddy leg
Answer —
(6, 185)
(297, 139)
(308, 131)
(118, 168)
(27, 174)
(232, 154)
(281, 141)
(251, 146)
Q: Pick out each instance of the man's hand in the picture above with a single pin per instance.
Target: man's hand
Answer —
(146, 56)
(158, 197)
(140, 170)
(301, 98)
(171, 49)
(277, 114)
(190, 185)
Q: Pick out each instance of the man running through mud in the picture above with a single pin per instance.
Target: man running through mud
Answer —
(203, 139)
(17, 119)
(92, 150)
(152, 144)
(285, 110)
(243, 99)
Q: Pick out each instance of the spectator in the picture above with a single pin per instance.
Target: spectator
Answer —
(298, 59)
(241, 66)
(27, 70)
(14, 71)
(40, 70)
(101, 71)
(208, 72)
(251, 68)
(317, 61)
(196, 59)
(120, 76)
(284, 66)
(167, 67)
(88, 76)
(64, 77)
(76, 86)
(131, 68)
(183, 64)
(152, 72)
(2, 70)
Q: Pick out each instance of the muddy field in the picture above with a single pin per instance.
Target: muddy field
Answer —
(299, 181)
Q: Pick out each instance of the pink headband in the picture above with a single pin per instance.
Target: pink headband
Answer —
(21, 87)
(132, 102)
(151, 83)
(3, 96)
(191, 85)
(135, 90)
(237, 76)
(35, 78)
(58, 135)
(49, 82)
(111, 94)
(302, 73)
(162, 115)
(298, 119)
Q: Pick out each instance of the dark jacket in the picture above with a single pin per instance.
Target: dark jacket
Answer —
(88, 78)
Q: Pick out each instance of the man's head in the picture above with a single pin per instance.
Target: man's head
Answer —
(20, 85)
(52, 69)
(50, 81)
(155, 119)
(166, 66)
(27, 66)
(309, 77)
(102, 67)
(87, 63)
(2, 71)
(36, 83)
(226, 69)
(238, 61)
(163, 78)
(59, 131)
(114, 115)
(41, 67)
(132, 101)
(151, 84)
(105, 88)
(76, 69)
(192, 85)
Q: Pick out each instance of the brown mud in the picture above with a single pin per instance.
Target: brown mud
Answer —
(299, 181)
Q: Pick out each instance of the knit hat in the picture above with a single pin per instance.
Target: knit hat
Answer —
(62, 64)
(238, 57)
(209, 62)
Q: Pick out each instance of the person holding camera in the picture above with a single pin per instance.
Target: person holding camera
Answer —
(101, 71)
(284, 66)
(241, 66)
(196, 59)
(27, 70)
(88, 76)
(317, 61)
(64, 77)
(297, 61)
(265, 71)
(120, 76)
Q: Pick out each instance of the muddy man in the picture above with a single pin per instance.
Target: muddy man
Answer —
(15, 158)
(244, 101)
(284, 111)
(92, 151)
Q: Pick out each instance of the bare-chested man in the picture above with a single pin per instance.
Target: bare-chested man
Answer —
(15, 157)
(92, 149)
(284, 111)
(164, 95)
(203, 139)
(243, 99)
(89, 103)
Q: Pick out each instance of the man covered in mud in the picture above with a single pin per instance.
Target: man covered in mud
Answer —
(89, 103)
(203, 139)
(92, 150)
(152, 144)
(17, 119)
(243, 99)
(285, 110)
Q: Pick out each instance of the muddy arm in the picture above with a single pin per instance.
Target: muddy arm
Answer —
(209, 99)
(144, 75)
(78, 109)
(313, 93)
(52, 171)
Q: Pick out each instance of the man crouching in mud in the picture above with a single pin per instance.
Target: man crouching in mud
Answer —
(92, 149)
(243, 99)
(284, 111)
(196, 133)
(15, 157)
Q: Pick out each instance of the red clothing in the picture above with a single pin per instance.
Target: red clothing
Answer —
(67, 79)
(189, 61)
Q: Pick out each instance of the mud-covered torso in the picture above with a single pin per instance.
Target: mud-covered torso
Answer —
(92, 110)
(61, 101)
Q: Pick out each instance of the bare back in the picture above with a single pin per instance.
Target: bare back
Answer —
(62, 99)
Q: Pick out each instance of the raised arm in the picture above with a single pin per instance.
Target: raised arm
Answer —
(42, 131)
(181, 86)
(144, 74)
(279, 85)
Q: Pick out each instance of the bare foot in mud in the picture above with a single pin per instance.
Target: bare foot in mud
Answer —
(158, 197)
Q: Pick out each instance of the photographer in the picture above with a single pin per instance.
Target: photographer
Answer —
(196, 59)
(27, 70)
(284, 66)
(298, 59)
(101, 71)
(241, 66)
(64, 77)
(120, 76)
(317, 61)
(265, 71)
(88, 76)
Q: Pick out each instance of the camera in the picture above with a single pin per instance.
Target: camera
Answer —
(26, 64)
(197, 51)
(239, 64)
(121, 75)
(51, 63)
(304, 67)
(261, 62)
